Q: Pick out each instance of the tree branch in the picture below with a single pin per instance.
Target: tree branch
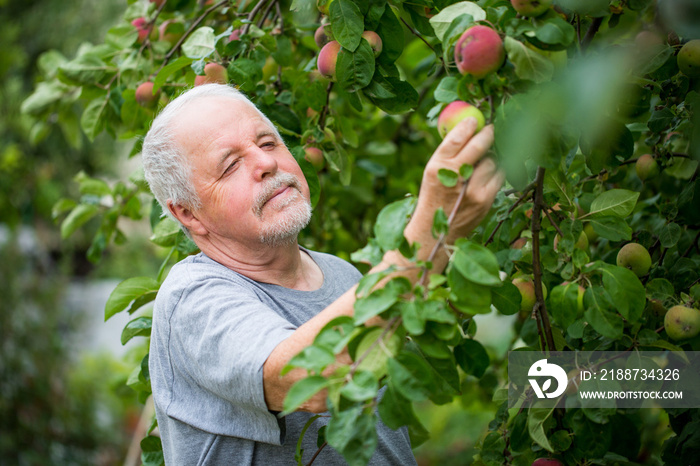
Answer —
(540, 309)
(417, 34)
(592, 30)
(522, 197)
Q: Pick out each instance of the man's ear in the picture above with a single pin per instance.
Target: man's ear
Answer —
(188, 218)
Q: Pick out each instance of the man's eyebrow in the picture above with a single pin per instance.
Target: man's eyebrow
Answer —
(265, 133)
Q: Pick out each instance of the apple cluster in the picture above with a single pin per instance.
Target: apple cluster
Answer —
(328, 56)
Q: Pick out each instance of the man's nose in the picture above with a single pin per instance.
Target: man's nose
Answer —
(265, 164)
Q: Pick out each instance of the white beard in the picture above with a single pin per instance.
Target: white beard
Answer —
(294, 212)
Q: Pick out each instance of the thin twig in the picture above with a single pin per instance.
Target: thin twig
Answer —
(417, 34)
(522, 197)
(187, 33)
(551, 220)
(592, 30)
(313, 458)
(252, 14)
(540, 307)
(324, 110)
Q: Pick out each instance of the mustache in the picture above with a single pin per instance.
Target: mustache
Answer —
(272, 185)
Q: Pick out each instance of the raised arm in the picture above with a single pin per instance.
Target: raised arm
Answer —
(460, 147)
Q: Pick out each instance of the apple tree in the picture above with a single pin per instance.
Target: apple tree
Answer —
(593, 244)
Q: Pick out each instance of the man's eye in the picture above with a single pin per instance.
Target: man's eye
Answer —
(228, 169)
(269, 144)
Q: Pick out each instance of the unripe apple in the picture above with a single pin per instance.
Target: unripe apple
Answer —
(327, 58)
(455, 112)
(590, 233)
(518, 243)
(314, 156)
(646, 167)
(235, 35)
(579, 297)
(269, 69)
(581, 243)
(531, 8)
(479, 51)
(527, 293)
(145, 96)
(171, 31)
(689, 59)
(141, 25)
(635, 257)
(682, 322)
(321, 35)
(374, 41)
(214, 73)
(547, 462)
(648, 39)
(323, 6)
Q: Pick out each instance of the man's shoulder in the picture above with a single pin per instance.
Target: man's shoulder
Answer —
(331, 263)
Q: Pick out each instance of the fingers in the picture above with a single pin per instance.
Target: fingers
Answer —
(457, 138)
(486, 180)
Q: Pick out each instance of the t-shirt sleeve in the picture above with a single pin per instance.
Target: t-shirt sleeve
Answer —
(221, 334)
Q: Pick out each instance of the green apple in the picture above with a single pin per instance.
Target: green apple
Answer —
(635, 257)
(646, 167)
(682, 322)
(689, 59)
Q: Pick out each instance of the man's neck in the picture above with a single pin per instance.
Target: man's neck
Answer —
(284, 265)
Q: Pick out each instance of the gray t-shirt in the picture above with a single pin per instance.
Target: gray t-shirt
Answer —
(212, 331)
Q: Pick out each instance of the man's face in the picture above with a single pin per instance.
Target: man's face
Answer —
(251, 188)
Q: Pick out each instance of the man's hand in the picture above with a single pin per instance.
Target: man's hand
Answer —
(460, 146)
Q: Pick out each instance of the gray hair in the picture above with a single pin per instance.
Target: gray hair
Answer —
(165, 164)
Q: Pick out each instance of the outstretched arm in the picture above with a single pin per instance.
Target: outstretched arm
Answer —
(461, 146)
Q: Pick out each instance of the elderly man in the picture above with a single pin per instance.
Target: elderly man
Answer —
(227, 320)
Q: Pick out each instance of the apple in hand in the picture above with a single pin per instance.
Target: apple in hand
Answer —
(479, 51)
(455, 112)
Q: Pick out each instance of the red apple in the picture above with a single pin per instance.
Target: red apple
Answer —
(322, 36)
(145, 96)
(327, 58)
(455, 112)
(213, 73)
(314, 156)
(547, 462)
(144, 31)
(235, 35)
(479, 51)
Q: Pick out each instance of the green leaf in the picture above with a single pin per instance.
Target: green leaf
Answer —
(448, 177)
(670, 234)
(391, 222)
(169, 69)
(625, 290)
(612, 228)
(379, 300)
(536, 418)
(141, 326)
(391, 32)
(77, 218)
(313, 358)
(127, 291)
(348, 24)
(246, 73)
(165, 232)
(472, 357)
(408, 374)
(93, 119)
(598, 313)
(353, 433)
(373, 354)
(200, 44)
(301, 392)
(85, 69)
(528, 64)
(555, 31)
(440, 223)
(476, 263)
(152, 451)
(506, 299)
(354, 70)
(447, 90)
(362, 387)
(45, 94)
(469, 297)
(406, 97)
(413, 321)
(617, 202)
(441, 21)
(659, 288)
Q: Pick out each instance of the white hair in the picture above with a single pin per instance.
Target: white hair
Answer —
(165, 164)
